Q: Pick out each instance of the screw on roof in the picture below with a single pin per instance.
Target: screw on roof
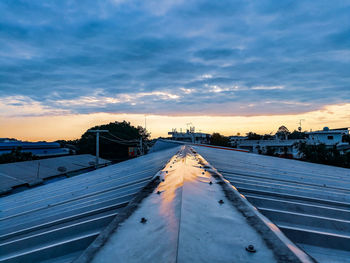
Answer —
(210, 183)
(221, 202)
(143, 220)
(250, 249)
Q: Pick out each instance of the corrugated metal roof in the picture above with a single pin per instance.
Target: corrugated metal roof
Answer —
(192, 215)
(34, 172)
(56, 222)
(309, 202)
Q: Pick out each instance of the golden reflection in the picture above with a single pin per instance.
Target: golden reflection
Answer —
(171, 191)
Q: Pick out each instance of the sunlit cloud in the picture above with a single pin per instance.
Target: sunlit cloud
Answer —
(16, 106)
(236, 59)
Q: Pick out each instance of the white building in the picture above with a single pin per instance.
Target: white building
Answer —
(327, 136)
(190, 136)
(236, 140)
(279, 147)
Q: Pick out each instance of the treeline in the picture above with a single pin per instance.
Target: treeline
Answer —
(17, 155)
(322, 154)
(291, 135)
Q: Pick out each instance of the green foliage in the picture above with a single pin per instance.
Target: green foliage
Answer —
(321, 154)
(297, 135)
(346, 138)
(219, 140)
(16, 156)
(267, 137)
(113, 145)
(254, 136)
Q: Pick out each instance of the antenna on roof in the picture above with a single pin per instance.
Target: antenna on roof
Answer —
(299, 128)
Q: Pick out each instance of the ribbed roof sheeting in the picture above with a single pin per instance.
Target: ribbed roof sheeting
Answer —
(164, 144)
(34, 172)
(309, 202)
(56, 222)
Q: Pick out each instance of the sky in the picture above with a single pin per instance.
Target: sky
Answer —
(225, 66)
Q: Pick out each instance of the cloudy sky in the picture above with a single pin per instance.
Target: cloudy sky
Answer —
(209, 62)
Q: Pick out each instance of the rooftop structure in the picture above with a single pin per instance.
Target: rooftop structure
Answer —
(327, 136)
(279, 147)
(40, 149)
(190, 136)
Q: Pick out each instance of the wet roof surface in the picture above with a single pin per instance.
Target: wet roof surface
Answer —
(57, 221)
(189, 218)
(309, 202)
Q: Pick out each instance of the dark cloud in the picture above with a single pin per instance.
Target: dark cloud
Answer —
(173, 57)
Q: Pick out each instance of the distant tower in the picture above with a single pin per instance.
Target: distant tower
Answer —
(299, 128)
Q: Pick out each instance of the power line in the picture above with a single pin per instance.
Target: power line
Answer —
(128, 143)
(121, 139)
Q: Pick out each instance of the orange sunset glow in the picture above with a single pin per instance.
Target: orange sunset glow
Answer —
(56, 127)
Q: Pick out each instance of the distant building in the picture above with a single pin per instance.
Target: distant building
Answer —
(283, 146)
(327, 136)
(287, 148)
(234, 141)
(190, 136)
(40, 149)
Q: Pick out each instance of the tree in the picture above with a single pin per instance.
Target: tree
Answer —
(297, 135)
(254, 136)
(16, 155)
(346, 138)
(219, 140)
(113, 145)
(319, 153)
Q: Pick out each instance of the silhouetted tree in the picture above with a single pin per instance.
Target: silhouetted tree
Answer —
(346, 138)
(254, 136)
(113, 145)
(16, 155)
(219, 140)
(297, 135)
(321, 154)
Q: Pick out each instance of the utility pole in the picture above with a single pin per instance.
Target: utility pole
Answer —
(97, 144)
(141, 146)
